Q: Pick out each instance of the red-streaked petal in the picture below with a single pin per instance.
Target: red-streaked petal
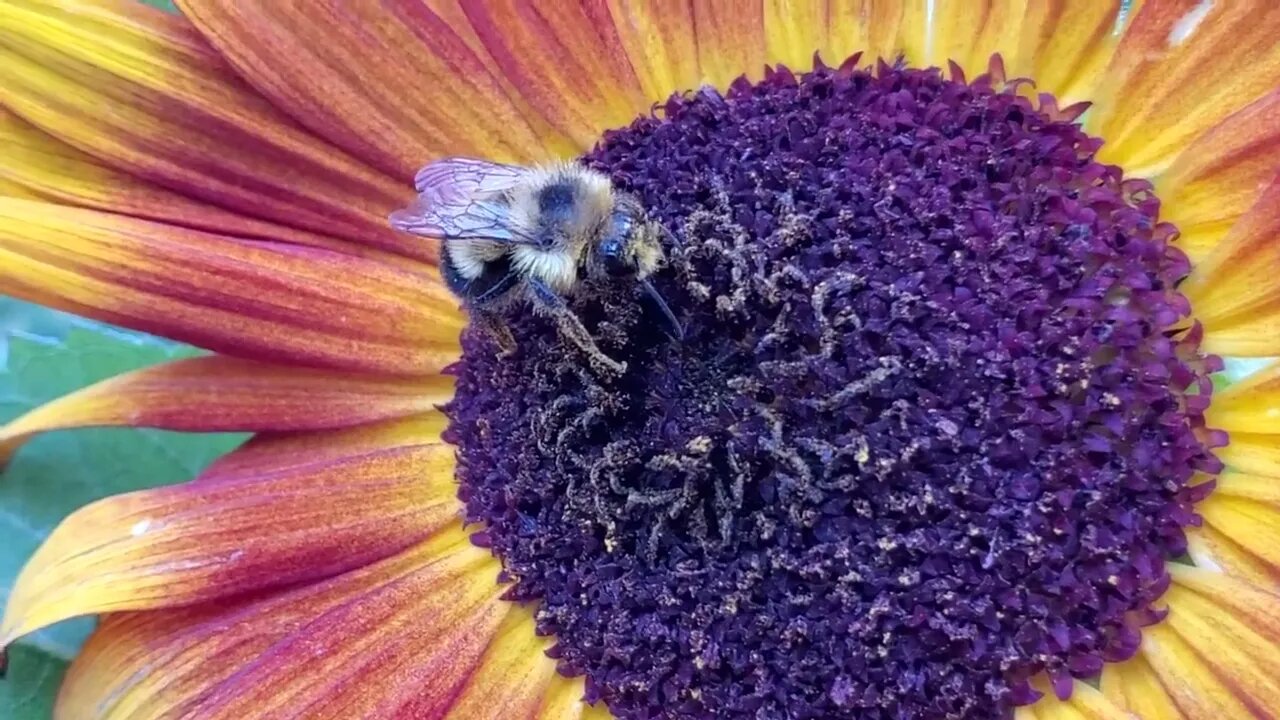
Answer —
(393, 640)
(1220, 175)
(397, 84)
(265, 301)
(1241, 531)
(277, 452)
(1181, 67)
(223, 394)
(660, 42)
(515, 679)
(46, 168)
(730, 39)
(181, 119)
(566, 61)
(1236, 286)
(1133, 685)
(200, 541)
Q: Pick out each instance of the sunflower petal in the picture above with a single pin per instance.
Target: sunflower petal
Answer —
(563, 701)
(223, 394)
(1193, 685)
(1134, 686)
(394, 639)
(969, 31)
(512, 676)
(1241, 534)
(265, 301)
(1066, 45)
(181, 119)
(46, 168)
(731, 40)
(396, 84)
(1085, 703)
(1234, 287)
(1233, 627)
(1251, 405)
(1191, 64)
(1220, 175)
(660, 43)
(198, 541)
(1252, 453)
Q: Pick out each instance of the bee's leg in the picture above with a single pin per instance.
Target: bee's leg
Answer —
(572, 328)
(493, 287)
(491, 323)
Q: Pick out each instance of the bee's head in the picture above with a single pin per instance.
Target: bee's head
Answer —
(630, 246)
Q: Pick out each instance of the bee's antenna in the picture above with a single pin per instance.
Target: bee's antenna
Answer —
(673, 327)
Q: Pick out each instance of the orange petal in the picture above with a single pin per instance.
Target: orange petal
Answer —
(223, 394)
(46, 168)
(1066, 44)
(1235, 287)
(1241, 532)
(1134, 686)
(1181, 67)
(659, 40)
(567, 62)
(511, 678)
(396, 84)
(180, 118)
(234, 534)
(261, 300)
(397, 639)
(1220, 175)
(730, 39)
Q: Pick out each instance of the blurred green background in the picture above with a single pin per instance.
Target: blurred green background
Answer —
(45, 354)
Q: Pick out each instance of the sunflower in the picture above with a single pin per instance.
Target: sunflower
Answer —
(939, 440)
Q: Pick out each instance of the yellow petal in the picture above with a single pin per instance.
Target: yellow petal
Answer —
(1192, 684)
(1134, 686)
(1067, 43)
(1253, 454)
(1234, 291)
(1251, 405)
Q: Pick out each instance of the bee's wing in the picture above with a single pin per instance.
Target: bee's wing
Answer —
(458, 199)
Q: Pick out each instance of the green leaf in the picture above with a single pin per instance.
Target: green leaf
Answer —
(28, 691)
(56, 473)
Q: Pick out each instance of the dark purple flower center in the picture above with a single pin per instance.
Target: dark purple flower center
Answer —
(929, 433)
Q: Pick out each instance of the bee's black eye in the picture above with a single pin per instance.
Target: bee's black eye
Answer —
(612, 252)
